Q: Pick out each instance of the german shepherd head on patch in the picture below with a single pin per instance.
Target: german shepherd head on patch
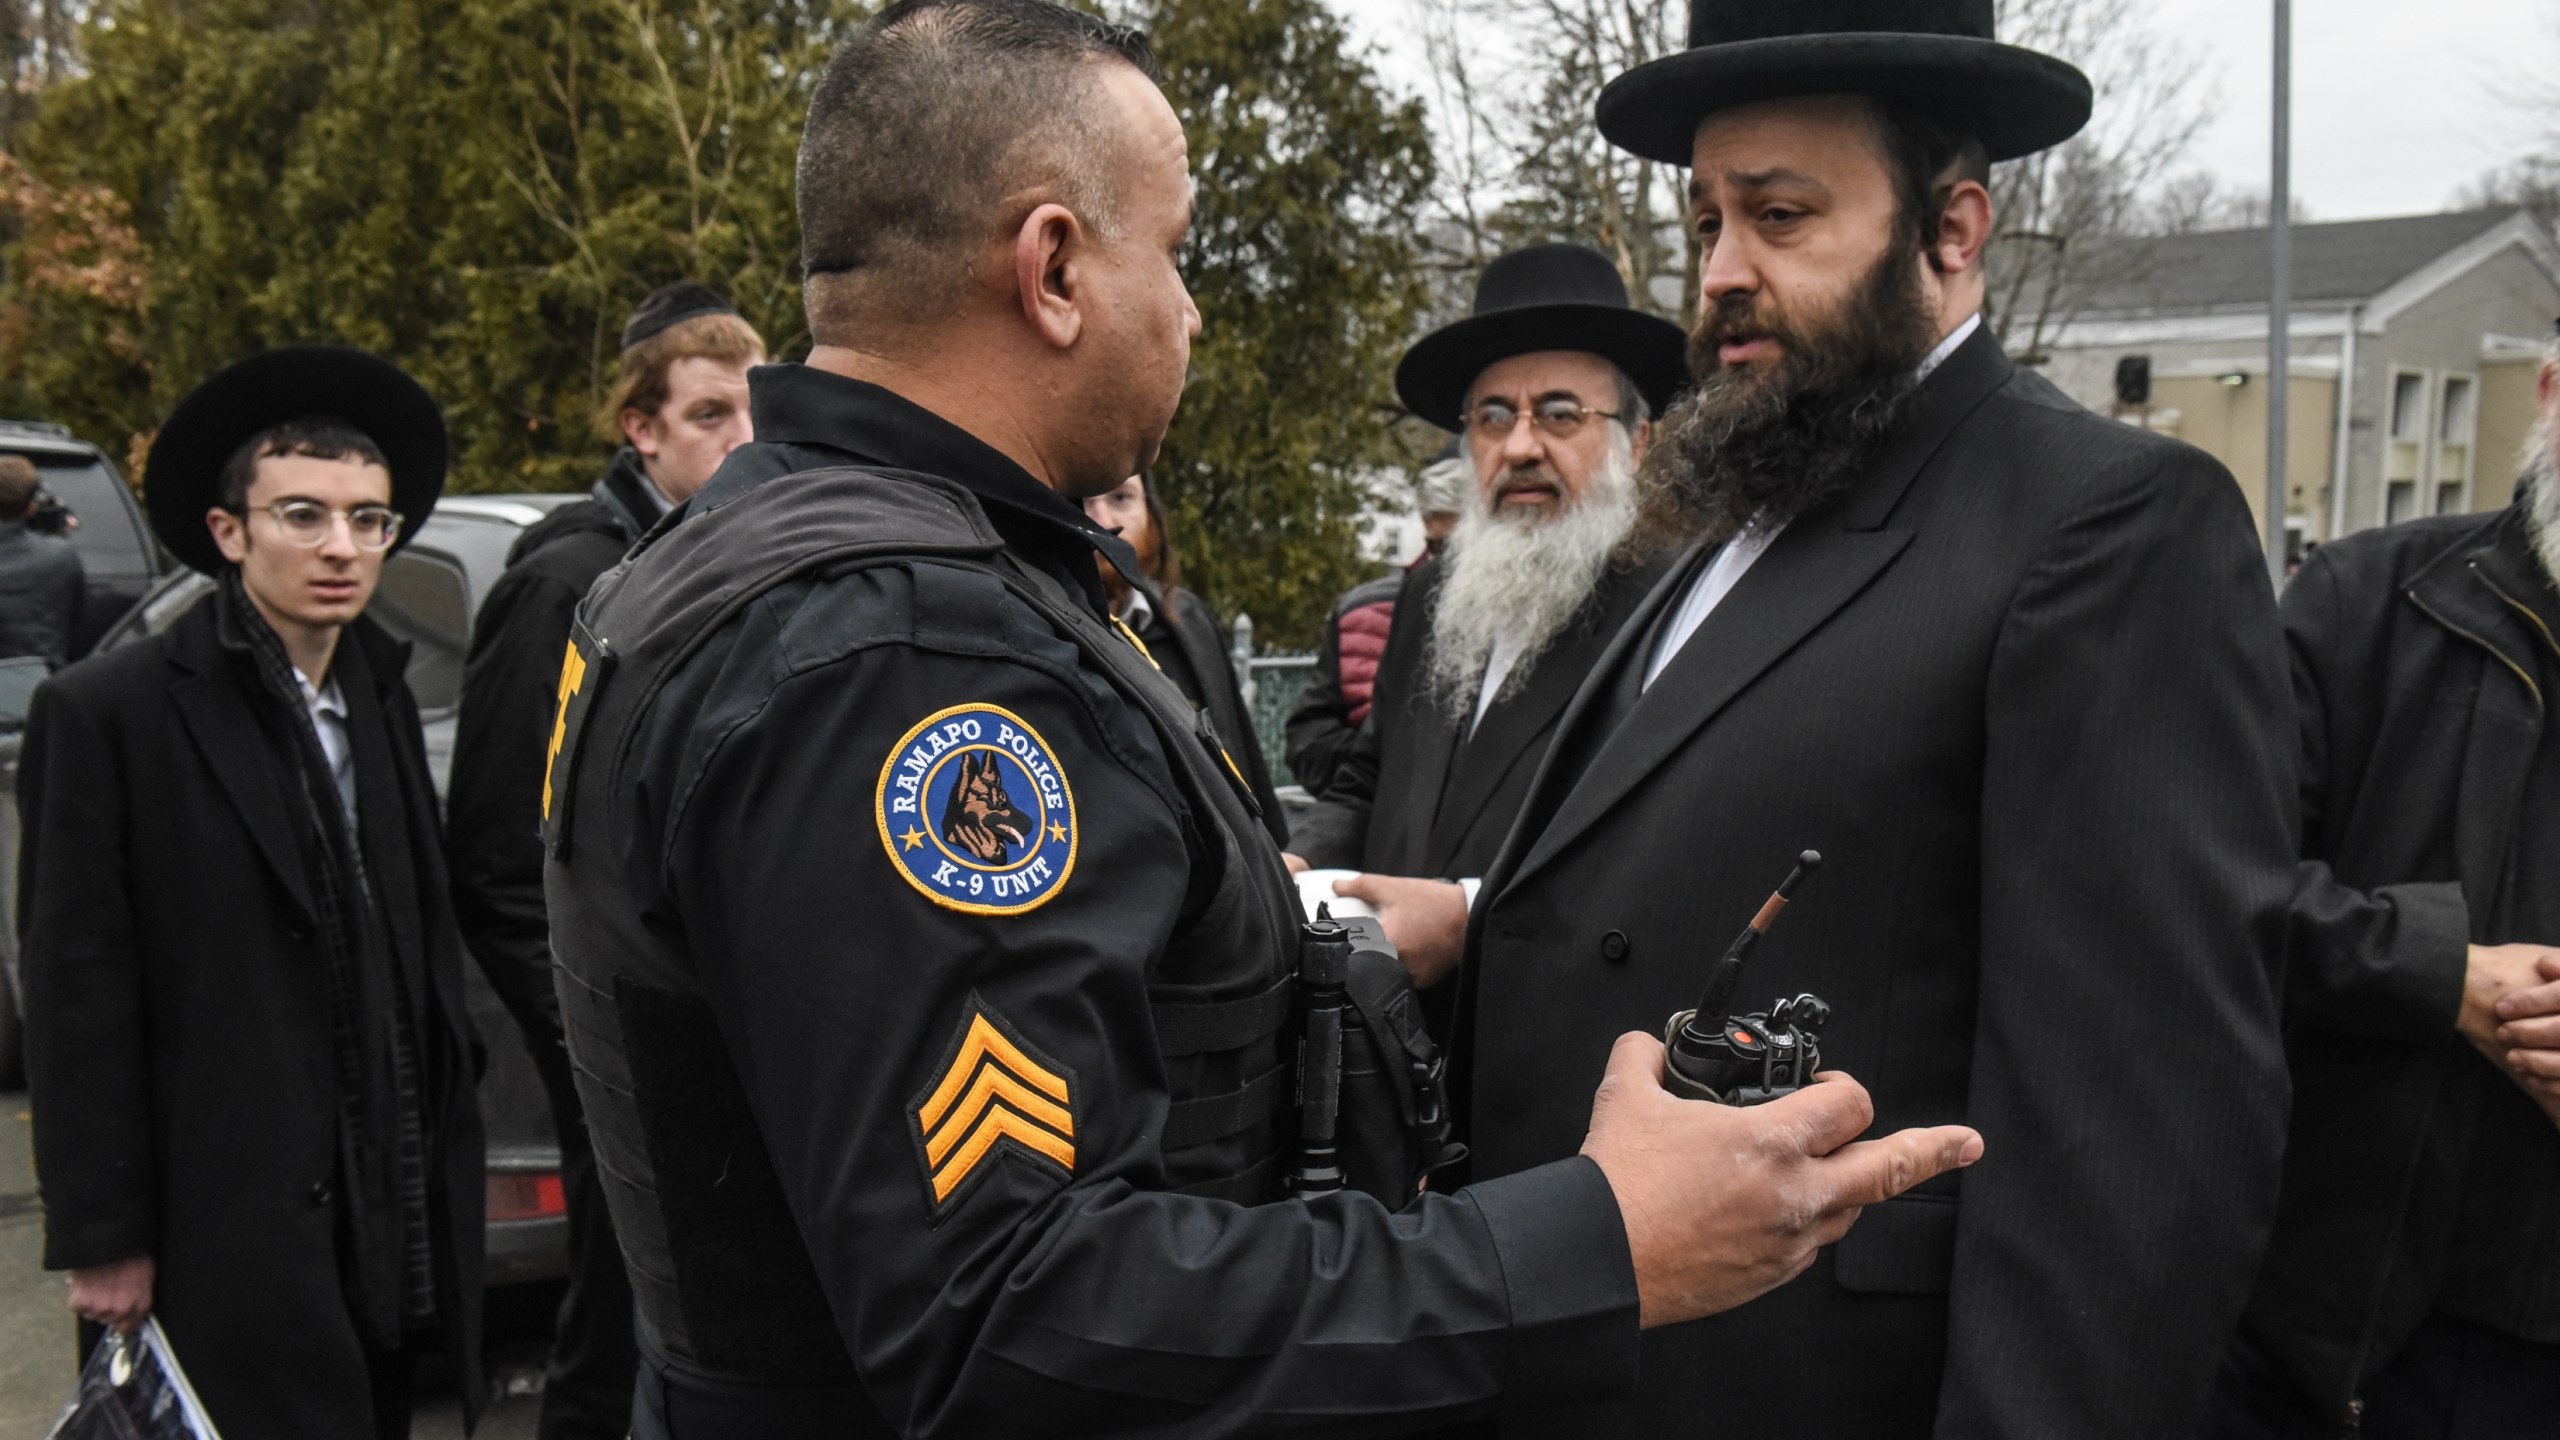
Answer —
(979, 819)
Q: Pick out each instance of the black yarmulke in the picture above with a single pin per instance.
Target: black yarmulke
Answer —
(670, 305)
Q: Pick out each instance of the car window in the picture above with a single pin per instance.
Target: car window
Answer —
(164, 606)
(425, 599)
(478, 542)
(110, 540)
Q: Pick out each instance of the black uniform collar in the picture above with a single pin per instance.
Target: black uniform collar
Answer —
(800, 405)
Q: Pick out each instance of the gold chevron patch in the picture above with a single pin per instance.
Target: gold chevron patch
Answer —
(992, 1091)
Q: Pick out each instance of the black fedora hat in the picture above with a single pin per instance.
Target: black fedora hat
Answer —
(182, 476)
(1937, 55)
(1543, 297)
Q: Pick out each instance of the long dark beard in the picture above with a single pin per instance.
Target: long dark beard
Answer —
(1746, 448)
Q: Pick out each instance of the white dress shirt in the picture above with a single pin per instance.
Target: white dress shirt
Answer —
(1497, 668)
(1134, 611)
(328, 708)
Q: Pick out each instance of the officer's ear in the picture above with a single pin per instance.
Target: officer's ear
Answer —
(1045, 254)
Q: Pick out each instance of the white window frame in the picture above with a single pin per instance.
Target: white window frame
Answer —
(2470, 442)
(2423, 482)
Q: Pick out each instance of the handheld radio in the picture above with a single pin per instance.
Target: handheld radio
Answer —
(1747, 1059)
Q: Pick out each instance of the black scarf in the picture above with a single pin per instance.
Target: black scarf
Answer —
(382, 1151)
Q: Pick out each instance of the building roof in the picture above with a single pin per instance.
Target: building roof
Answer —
(2337, 263)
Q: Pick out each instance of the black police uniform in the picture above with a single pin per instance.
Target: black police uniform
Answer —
(492, 805)
(926, 970)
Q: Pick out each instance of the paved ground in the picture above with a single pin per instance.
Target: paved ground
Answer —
(36, 1366)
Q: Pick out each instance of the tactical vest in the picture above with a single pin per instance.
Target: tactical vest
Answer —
(734, 1293)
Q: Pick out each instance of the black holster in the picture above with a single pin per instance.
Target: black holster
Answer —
(1392, 1108)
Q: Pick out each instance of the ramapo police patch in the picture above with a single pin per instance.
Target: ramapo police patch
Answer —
(976, 812)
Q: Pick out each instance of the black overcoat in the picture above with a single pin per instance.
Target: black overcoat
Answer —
(1189, 646)
(2024, 688)
(179, 1050)
(2413, 650)
(1415, 793)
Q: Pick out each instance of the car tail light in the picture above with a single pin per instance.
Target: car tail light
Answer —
(526, 1195)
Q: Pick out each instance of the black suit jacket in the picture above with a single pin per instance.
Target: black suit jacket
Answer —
(1416, 793)
(179, 1052)
(2024, 689)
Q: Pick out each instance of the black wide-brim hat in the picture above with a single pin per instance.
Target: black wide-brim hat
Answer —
(182, 477)
(1935, 55)
(1543, 297)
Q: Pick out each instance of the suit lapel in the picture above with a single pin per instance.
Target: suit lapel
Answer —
(219, 714)
(1815, 567)
(1557, 773)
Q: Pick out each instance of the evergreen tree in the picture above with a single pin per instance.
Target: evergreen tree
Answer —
(481, 189)
(1303, 261)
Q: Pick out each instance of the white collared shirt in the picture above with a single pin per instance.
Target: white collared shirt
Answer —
(1497, 668)
(328, 707)
(1726, 571)
(1135, 612)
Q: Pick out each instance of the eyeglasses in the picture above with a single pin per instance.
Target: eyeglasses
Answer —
(1556, 418)
(307, 523)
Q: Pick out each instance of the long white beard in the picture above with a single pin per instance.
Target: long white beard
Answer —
(1524, 576)
(2543, 512)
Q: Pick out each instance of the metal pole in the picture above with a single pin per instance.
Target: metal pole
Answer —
(2280, 298)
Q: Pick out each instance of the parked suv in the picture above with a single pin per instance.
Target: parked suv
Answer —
(116, 548)
(431, 591)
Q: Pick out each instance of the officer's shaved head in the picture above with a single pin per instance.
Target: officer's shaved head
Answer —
(935, 130)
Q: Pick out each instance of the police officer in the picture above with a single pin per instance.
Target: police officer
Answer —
(926, 970)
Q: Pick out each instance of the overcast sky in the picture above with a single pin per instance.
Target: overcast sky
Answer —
(2396, 102)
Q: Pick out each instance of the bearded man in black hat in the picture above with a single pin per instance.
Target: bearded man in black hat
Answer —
(247, 1049)
(2014, 671)
(680, 402)
(1551, 384)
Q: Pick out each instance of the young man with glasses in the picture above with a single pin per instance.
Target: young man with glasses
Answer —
(1551, 383)
(247, 1052)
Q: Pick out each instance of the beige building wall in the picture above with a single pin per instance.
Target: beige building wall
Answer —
(2472, 388)
(2437, 339)
(2506, 418)
(2229, 422)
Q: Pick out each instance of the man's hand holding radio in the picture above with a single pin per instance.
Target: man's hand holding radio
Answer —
(1723, 1203)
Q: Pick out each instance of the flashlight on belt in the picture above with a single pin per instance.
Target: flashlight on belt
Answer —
(1747, 1059)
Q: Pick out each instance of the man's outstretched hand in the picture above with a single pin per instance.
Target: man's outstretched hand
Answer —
(1426, 920)
(1723, 1203)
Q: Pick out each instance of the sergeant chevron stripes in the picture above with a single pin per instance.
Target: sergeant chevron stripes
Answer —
(992, 1089)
